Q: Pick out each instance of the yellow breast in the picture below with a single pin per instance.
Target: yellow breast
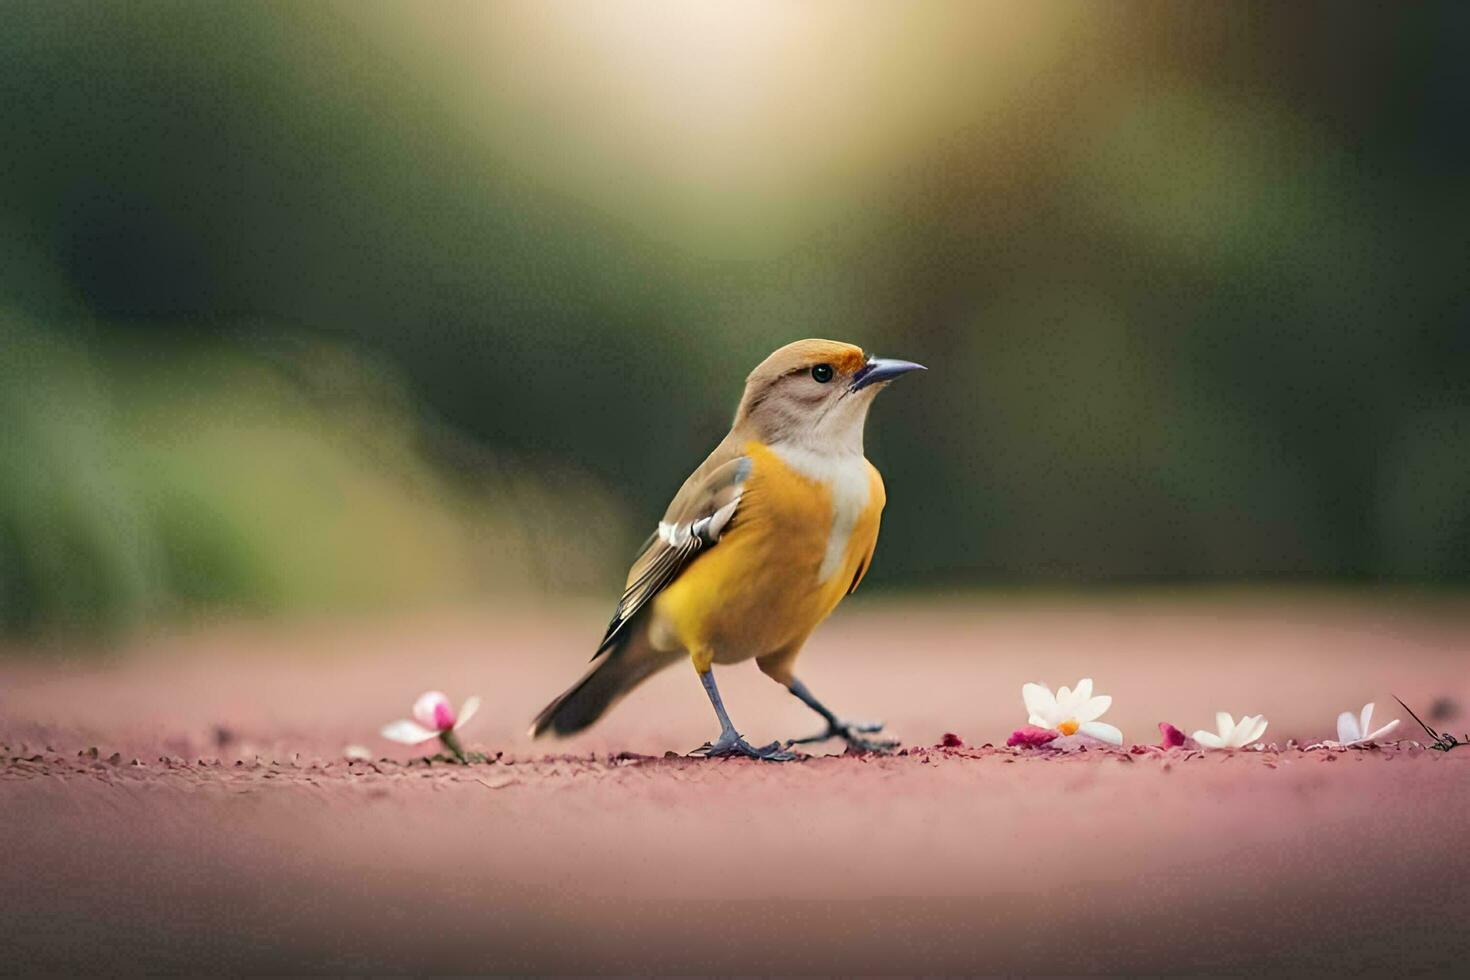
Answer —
(804, 530)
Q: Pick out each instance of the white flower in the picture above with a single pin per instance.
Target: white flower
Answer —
(1354, 730)
(434, 717)
(1070, 711)
(1232, 734)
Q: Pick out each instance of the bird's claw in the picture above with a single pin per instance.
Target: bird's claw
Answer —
(732, 743)
(852, 732)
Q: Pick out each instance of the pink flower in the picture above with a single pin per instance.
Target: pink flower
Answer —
(1173, 737)
(433, 717)
(1031, 736)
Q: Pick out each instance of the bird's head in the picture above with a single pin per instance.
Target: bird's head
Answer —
(815, 394)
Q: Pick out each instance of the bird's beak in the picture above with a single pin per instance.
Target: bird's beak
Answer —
(880, 369)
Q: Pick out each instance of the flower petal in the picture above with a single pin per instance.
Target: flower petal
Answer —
(1031, 736)
(1209, 739)
(407, 732)
(1084, 690)
(1257, 729)
(429, 710)
(1173, 738)
(1040, 703)
(1366, 720)
(1382, 731)
(1224, 724)
(1093, 708)
(467, 711)
(1101, 731)
(1347, 727)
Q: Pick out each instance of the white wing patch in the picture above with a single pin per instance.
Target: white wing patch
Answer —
(707, 528)
(846, 475)
(702, 509)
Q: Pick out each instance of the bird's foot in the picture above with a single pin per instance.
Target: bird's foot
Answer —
(730, 743)
(852, 732)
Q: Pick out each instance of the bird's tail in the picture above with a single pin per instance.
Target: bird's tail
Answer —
(614, 672)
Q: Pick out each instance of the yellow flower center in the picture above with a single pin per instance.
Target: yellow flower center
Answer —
(1068, 727)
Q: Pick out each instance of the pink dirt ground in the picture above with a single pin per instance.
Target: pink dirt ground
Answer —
(957, 860)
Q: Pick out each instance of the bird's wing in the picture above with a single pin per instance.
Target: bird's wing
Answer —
(699, 514)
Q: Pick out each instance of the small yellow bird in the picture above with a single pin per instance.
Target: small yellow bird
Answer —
(759, 545)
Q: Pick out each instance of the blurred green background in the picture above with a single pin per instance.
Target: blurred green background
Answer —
(323, 306)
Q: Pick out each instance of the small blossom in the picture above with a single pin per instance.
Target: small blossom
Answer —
(1069, 711)
(433, 717)
(1031, 737)
(1173, 738)
(1232, 734)
(1354, 730)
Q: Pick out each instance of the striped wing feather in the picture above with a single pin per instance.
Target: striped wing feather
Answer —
(696, 519)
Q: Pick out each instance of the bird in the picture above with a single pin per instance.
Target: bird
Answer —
(758, 547)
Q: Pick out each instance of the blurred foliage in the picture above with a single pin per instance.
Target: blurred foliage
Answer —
(352, 303)
(147, 480)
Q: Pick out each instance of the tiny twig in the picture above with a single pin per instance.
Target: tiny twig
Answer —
(1432, 733)
(1439, 741)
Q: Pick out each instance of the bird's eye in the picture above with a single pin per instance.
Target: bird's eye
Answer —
(822, 373)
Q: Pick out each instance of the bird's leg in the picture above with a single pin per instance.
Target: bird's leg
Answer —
(851, 731)
(729, 741)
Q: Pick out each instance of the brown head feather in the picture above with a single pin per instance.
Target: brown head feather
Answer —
(785, 403)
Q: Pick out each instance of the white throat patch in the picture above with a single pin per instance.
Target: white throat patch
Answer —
(846, 476)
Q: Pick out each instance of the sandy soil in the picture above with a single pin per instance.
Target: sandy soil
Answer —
(242, 841)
